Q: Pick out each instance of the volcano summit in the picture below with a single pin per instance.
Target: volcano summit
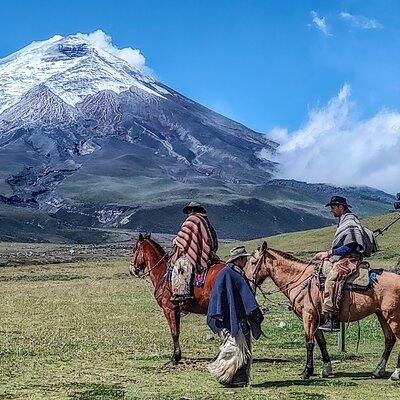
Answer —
(96, 142)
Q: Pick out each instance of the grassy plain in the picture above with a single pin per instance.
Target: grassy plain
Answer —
(88, 330)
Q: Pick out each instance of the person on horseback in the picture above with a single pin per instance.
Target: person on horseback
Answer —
(351, 243)
(194, 251)
(233, 312)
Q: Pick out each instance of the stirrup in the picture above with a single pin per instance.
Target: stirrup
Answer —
(181, 298)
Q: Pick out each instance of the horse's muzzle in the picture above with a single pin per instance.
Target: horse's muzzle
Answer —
(136, 272)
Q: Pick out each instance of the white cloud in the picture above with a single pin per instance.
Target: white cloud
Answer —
(360, 21)
(335, 146)
(320, 23)
(101, 40)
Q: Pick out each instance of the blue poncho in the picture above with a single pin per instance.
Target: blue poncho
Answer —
(231, 301)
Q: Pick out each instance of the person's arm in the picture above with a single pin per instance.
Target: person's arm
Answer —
(345, 249)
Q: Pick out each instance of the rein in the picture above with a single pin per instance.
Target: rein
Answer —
(146, 274)
(155, 265)
(265, 295)
(159, 284)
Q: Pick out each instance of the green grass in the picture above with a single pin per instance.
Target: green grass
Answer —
(89, 331)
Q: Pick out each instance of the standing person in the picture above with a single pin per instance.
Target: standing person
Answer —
(350, 244)
(194, 249)
(233, 312)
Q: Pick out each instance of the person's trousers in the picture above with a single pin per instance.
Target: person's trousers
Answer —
(182, 270)
(242, 375)
(335, 281)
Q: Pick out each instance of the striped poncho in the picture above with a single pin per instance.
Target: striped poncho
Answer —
(196, 240)
(351, 231)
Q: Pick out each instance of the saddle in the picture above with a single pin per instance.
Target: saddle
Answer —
(200, 276)
(363, 278)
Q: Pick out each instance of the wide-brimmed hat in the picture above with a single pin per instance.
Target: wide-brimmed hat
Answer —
(338, 201)
(237, 252)
(195, 206)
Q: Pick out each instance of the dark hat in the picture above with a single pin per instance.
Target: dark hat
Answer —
(194, 206)
(338, 201)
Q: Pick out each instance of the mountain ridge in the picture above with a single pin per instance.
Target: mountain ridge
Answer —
(95, 142)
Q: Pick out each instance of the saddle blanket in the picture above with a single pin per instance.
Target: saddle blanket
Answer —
(363, 278)
(198, 280)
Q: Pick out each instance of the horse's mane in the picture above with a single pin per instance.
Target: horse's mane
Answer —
(156, 245)
(287, 256)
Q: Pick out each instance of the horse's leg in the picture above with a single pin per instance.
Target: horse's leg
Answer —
(177, 348)
(390, 340)
(326, 359)
(394, 323)
(173, 318)
(396, 374)
(310, 327)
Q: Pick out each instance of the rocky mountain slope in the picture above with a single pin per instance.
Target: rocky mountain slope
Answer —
(96, 143)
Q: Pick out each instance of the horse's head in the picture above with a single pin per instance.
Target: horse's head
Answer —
(258, 265)
(138, 262)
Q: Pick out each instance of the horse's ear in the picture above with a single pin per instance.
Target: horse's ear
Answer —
(264, 247)
(147, 235)
(141, 237)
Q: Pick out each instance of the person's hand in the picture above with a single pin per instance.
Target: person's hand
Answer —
(322, 255)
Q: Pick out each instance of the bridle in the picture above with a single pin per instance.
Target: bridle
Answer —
(257, 270)
(256, 286)
(279, 289)
(147, 273)
(157, 264)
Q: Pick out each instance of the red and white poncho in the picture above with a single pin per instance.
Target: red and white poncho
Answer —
(196, 240)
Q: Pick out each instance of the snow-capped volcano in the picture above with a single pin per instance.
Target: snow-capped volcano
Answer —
(78, 100)
(89, 136)
(71, 67)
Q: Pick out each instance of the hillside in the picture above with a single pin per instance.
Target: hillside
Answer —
(305, 243)
(90, 143)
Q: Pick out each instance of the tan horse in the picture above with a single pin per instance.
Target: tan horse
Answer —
(298, 282)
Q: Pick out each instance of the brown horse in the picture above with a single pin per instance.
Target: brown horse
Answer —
(298, 282)
(149, 258)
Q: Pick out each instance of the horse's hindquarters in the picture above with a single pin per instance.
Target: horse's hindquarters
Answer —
(202, 294)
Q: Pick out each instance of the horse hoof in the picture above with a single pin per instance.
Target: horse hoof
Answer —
(378, 374)
(306, 374)
(326, 370)
(396, 375)
(380, 369)
(175, 360)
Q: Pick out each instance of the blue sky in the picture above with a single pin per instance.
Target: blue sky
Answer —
(321, 77)
(264, 63)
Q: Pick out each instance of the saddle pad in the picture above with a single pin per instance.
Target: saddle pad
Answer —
(359, 278)
(200, 278)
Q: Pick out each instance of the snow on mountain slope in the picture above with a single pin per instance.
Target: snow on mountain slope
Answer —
(41, 106)
(87, 132)
(79, 99)
(71, 67)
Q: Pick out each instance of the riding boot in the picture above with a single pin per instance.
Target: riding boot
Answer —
(242, 375)
(331, 325)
